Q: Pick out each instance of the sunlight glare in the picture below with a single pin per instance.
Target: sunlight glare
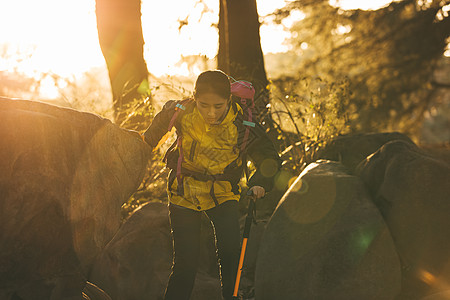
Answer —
(164, 48)
(357, 4)
(48, 88)
(266, 7)
(59, 36)
(272, 38)
(447, 48)
(342, 29)
(427, 277)
(294, 16)
(273, 35)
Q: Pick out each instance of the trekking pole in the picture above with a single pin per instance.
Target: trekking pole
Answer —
(248, 224)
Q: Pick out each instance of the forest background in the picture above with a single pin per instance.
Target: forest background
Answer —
(321, 68)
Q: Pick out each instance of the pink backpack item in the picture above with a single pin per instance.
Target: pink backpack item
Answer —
(245, 91)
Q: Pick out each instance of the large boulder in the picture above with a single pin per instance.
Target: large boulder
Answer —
(64, 176)
(438, 151)
(327, 240)
(350, 150)
(136, 263)
(412, 192)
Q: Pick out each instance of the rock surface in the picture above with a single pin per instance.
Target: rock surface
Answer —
(352, 149)
(64, 176)
(136, 263)
(327, 240)
(412, 192)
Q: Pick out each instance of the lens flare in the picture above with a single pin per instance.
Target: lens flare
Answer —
(427, 277)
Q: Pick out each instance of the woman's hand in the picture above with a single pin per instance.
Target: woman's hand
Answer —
(258, 191)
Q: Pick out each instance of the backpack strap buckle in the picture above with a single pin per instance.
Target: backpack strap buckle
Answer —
(180, 106)
(248, 123)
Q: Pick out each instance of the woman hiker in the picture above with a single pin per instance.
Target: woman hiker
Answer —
(207, 161)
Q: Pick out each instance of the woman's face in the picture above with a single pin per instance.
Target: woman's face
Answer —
(212, 107)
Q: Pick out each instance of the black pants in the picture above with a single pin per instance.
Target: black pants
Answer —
(186, 225)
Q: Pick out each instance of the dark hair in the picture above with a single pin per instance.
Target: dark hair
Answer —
(213, 81)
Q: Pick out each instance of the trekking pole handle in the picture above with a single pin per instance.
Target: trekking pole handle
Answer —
(249, 218)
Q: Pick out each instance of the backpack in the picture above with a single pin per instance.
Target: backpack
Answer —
(245, 91)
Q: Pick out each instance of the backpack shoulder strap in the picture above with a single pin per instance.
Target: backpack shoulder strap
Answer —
(179, 108)
(245, 91)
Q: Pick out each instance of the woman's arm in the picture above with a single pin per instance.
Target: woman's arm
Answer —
(160, 124)
(266, 159)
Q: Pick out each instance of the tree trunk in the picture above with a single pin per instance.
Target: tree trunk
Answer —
(245, 54)
(223, 60)
(240, 53)
(120, 36)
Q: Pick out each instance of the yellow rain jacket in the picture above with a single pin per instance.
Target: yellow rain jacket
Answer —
(213, 160)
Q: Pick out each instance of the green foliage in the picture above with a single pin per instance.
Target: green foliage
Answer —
(308, 113)
(88, 92)
(388, 55)
(138, 116)
(152, 188)
(135, 113)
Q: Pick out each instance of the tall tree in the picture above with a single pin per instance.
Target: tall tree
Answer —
(240, 53)
(120, 36)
